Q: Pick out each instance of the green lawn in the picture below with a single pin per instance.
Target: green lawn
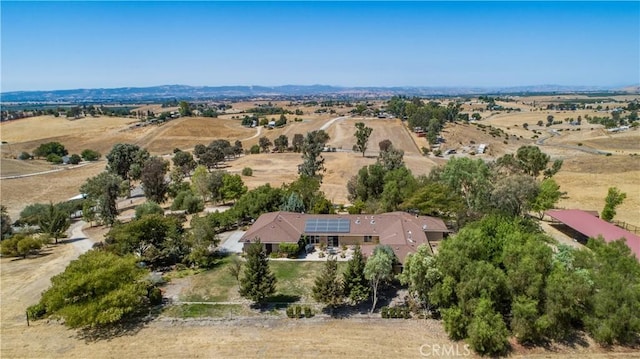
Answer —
(216, 285)
(295, 281)
(207, 310)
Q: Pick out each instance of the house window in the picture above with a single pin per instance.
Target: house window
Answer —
(367, 239)
(314, 239)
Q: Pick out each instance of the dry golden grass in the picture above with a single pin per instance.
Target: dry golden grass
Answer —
(585, 177)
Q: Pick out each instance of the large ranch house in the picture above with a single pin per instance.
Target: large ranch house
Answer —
(402, 231)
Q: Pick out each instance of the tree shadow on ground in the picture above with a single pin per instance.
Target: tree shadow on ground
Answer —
(120, 329)
(71, 240)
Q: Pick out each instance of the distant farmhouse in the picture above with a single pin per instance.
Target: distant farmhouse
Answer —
(401, 231)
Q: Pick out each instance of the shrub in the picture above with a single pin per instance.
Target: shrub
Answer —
(290, 312)
(323, 246)
(289, 249)
(24, 156)
(247, 171)
(321, 255)
(384, 312)
(20, 246)
(579, 143)
(308, 312)
(53, 158)
(255, 149)
(36, 311)
(148, 207)
(193, 204)
(90, 155)
(298, 311)
(74, 159)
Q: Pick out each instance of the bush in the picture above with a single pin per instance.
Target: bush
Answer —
(74, 159)
(290, 311)
(247, 171)
(193, 204)
(36, 311)
(395, 312)
(90, 155)
(321, 255)
(289, 249)
(20, 246)
(298, 311)
(53, 158)
(148, 207)
(24, 156)
(308, 312)
(255, 149)
(188, 202)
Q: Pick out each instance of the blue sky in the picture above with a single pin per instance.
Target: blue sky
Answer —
(68, 45)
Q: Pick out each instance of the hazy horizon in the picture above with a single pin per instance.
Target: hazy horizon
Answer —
(92, 45)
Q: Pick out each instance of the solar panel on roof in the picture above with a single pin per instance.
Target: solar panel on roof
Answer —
(327, 225)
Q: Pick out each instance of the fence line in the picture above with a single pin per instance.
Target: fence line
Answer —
(627, 226)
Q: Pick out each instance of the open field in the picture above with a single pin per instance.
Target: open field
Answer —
(584, 176)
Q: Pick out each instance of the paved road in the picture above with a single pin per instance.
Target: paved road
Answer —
(555, 133)
(232, 243)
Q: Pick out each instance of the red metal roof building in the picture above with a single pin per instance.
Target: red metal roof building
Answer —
(592, 226)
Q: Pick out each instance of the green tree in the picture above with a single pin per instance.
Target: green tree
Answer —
(378, 270)
(391, 159)
(232, 187)
(90, 155)
(103, 190)
(470, 178)
(74, 159)
(257, 282)
(265, 143)
(436, 199)
(5, 223)
(20, 245)
(487, 332)
(548, 195)
(614, 198)
(531, 160)
(297, 142)
(281, 143)
(185, 109)
(514, 194)
(154, 238)
(50, 148)
(420, 274)
(200, 182)
(153, 180)
(313, 163)
(202, 238)
(184, 161)
(54, 222)
(615, 314)
(362, 135)
(96, 290)
(147, 208)
(126, 160)
(356, 286)
(327, 287)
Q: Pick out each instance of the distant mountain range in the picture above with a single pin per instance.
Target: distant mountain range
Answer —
(183, 92)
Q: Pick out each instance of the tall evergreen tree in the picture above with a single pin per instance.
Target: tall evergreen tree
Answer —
(327, 288)
(356, 286)
(257, 282)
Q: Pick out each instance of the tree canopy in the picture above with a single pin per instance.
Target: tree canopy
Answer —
(97, 289)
